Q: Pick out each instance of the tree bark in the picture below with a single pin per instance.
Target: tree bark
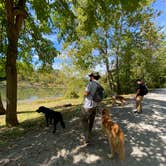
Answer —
(106, 61)
(108, 72)
(118, 90)
(2, 109)
(15, 16)
(11, 70)
(119, 33)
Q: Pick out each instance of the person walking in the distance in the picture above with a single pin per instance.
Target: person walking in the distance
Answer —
(140, 92)
(92, 97)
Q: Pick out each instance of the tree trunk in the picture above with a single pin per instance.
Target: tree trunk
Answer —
(118, 90)
(106, 61)
(118, 51)
(2, 109)
(11, 88)
(108, 72)
(15, 17)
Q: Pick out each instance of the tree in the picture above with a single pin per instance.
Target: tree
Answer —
(88, 26)
(2, 109)
(17, 14)
(102, 27)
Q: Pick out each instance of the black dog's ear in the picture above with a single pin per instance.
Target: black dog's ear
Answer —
(41, 107)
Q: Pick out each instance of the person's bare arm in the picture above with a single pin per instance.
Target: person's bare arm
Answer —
(86, 93)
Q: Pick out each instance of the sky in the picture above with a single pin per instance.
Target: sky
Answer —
(160, 5)
(159, 21)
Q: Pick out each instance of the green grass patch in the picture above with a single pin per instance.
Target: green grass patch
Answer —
(30, 120)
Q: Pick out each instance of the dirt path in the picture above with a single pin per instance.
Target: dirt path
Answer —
(145, 140)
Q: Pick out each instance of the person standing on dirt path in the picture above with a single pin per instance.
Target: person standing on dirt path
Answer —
(139, 95)
(89, 105)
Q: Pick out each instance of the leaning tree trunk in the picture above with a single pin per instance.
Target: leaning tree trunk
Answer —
(2, 109)
(106, 61)
(15, 16)
(118, 31)
(118, 88)
(108, 72)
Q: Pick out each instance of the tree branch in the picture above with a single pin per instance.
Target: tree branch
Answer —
(20, 14)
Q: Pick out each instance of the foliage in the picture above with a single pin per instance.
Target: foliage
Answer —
(74, 81)
(126, 42)
(118, 35)
(90, 29)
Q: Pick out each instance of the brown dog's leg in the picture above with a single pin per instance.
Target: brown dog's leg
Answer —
(103, 129)
(121, 150)
(112, 147)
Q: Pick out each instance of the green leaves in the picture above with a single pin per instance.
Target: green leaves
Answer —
(119, 31)
(42, 9)
(92, 31)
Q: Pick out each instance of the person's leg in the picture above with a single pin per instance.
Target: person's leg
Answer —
(91, 119)
(85, 123)
(140, 108)
(139, 104)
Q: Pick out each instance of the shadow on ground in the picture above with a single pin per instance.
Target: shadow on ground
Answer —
(145, 142)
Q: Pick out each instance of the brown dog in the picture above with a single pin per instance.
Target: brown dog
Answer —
(119, 100)
(114, 133)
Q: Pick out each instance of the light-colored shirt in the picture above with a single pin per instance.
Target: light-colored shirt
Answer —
(88, 100)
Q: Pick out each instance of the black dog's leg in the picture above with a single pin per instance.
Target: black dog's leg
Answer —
(47, 120)
(62, 122)
(55, 123)
(50, 120)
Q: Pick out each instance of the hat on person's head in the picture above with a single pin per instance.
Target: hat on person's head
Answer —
(138, 80)
(95, 75)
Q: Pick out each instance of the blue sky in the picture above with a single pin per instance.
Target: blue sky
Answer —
(159, 21)
(160, 5)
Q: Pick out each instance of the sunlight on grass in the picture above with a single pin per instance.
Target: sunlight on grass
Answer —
(26, 111)
(28, 117)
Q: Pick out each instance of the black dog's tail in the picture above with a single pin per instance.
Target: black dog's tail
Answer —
(62, 122)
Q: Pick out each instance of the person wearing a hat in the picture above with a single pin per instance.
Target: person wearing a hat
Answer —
(89, 105)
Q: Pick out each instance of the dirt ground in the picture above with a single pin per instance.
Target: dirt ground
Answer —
(145, 140)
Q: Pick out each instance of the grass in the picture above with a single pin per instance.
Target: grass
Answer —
(30, 120)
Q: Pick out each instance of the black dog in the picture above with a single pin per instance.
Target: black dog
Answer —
(51, 115)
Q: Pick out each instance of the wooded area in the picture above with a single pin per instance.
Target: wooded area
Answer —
(119, 37)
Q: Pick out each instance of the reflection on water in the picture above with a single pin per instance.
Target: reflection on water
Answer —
(30, 99)
(32, 94)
